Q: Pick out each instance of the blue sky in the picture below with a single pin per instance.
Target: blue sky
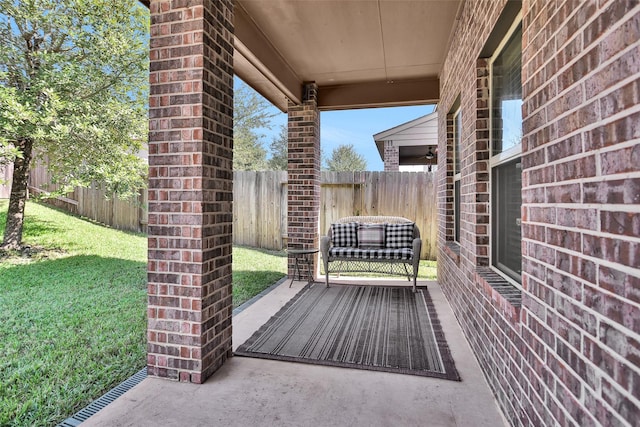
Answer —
(355, 127)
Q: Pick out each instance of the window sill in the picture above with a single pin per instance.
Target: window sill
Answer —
(505, 295)
(452, 249)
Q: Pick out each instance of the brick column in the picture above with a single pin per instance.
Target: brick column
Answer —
(190, 188)
(474, 188)
(391, 157)
(304, 173)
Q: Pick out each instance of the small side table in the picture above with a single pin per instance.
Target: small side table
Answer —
(303, 257)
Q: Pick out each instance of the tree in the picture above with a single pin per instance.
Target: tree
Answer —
(279, 150)
(248, 152)
(251, 112)
(73, 93)
(345, 158)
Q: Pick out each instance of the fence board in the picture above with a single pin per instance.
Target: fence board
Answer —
(260, 203)
(6, 173)
(258, 208)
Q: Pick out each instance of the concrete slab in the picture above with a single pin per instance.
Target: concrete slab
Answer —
(258, 392)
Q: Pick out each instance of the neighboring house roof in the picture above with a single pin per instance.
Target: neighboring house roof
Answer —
(413, 138)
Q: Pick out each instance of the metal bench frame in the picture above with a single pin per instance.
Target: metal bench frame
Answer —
(400, 267)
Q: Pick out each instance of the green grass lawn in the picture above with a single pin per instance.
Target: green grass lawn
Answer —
(254, 270)
(73, 314)
(428, 270)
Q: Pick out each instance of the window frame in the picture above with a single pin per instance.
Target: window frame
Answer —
(457, 174)
(502, 158)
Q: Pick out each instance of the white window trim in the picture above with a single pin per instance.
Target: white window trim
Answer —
(505, 156)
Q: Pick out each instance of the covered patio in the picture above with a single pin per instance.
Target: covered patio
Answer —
(247, 391)
(537, 123)
(301, 57)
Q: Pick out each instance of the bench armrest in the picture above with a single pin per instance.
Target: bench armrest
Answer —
(324, 246)
(324, 250)
(417, 248)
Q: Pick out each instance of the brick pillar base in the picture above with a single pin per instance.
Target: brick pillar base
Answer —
(190, 188)
(304, 174)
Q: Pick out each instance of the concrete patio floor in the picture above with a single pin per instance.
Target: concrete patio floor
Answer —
(254, 392)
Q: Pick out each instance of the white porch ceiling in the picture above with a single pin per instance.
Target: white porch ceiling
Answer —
(361, 53)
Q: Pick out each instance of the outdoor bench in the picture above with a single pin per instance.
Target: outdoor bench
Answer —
(372, 244)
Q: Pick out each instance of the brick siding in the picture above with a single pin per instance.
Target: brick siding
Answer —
(445, 190)
(190, 188)
(391, 157)
(303, 208)
(566, 350)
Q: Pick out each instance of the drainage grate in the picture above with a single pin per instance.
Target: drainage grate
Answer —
(100, 403)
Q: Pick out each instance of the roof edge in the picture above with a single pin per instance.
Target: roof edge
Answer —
(407, 125)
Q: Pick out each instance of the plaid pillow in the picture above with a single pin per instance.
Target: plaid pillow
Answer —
(371, 236)
(399, 235)
(344, 235)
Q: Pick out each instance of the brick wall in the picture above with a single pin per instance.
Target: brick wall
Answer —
(569, 352)
(190, 188)
(391, 157)
(303, 199)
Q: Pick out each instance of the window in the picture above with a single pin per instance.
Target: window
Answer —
(506, 172)
(457, 131)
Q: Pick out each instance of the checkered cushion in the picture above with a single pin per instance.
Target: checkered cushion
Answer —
(399, 235)
(358, 253)
(371, 236)
(344, 235)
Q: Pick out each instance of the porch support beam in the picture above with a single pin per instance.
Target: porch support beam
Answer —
(379, 94)
(190, 188)
(304, 174)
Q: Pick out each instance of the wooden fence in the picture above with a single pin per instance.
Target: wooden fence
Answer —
(93, 203)
(260, 204)
(408, 194)
(6, 173)
(260, 209)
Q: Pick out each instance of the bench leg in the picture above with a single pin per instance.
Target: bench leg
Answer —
(406, 271)
(326, 271)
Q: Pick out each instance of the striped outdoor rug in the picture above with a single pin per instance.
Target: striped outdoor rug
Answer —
(363, 327)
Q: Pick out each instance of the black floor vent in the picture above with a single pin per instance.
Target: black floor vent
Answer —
(100, 403)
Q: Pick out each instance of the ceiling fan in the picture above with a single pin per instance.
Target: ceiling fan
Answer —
(430, 154)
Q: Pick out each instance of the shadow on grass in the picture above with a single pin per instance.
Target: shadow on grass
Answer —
(72, 328)
(31, 227)
(281, 253)
(38, 228)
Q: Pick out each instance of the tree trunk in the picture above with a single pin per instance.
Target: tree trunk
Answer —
(18, 198)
